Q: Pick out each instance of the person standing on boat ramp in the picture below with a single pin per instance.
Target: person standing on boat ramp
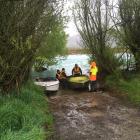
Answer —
(63, 77)
(93, 77)
(63, 74)
(76, 71)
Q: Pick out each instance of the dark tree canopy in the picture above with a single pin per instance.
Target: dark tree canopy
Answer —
(130, 18)
(23, 25)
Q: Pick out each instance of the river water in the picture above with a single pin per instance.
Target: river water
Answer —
(68, 63)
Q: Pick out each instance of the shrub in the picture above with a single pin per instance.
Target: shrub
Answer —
(128, 86)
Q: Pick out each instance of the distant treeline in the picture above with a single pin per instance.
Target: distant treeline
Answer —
(76, 51)
(86, 51)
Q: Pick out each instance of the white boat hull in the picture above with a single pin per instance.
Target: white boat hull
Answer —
(49, 85)
(53, 87)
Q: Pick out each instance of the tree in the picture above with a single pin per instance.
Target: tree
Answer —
(53, 44)
(130, 18)
(94, 23)
(23, 25)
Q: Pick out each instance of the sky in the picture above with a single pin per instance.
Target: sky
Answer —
(71, 28)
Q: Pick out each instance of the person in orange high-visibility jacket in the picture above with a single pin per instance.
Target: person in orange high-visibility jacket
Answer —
(93, 76)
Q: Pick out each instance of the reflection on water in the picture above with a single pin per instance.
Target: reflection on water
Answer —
(67, 63)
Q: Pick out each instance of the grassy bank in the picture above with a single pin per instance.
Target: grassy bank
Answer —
(25, 117)
(128, 87)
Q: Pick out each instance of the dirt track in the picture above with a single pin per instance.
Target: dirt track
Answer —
(80, 115)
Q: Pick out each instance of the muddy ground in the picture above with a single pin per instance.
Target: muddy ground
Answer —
(80, 115)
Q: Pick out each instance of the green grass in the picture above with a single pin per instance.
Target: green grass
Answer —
(129, 86)
(24, 117)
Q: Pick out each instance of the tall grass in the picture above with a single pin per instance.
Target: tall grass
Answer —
(23, 117)
(129, 86)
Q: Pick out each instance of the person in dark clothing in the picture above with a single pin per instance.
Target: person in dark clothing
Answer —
(58, 74)
(76, 71)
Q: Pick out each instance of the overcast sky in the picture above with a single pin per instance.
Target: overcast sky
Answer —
(71, 28)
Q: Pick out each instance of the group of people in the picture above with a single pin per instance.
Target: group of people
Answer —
(62, 76)
(76, 71)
